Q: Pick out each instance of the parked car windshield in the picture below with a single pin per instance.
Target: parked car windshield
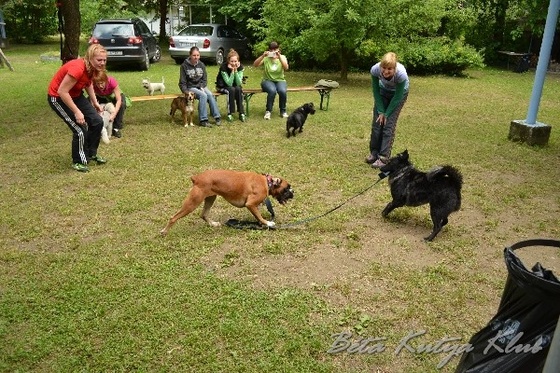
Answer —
(197, 31)
(112, 30)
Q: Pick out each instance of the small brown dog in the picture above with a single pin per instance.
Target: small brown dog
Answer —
(186, 105)
(240, 188)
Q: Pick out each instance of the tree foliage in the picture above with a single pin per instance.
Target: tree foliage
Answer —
(514, 25)
(429, 35)
(29, 21)
(356, 33)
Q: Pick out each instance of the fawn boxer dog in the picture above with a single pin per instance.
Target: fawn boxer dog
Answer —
(240, 188)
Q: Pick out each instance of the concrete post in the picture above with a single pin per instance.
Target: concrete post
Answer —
(529, 130)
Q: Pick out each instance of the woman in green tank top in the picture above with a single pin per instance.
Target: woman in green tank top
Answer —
(273, 81)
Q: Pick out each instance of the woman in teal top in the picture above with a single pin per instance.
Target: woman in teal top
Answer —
(273, 80)
(229, 81)
(389, 81)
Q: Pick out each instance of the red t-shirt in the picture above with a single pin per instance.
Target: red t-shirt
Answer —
(77, 70)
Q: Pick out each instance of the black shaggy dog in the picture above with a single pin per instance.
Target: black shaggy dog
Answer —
(440, 187)
(297, 119)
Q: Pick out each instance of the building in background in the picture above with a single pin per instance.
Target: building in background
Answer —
(181, 15)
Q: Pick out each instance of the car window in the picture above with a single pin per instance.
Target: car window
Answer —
(143, 28)
(197, 31)
(232, 33)
(223, 32)
(108, 30)
(137, 30)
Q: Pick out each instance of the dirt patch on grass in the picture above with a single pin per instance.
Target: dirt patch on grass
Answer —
(354, 262)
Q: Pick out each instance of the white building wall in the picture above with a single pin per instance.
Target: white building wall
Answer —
(178, 16)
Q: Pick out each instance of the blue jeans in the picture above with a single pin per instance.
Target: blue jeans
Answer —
(204, 96)
(271, 88)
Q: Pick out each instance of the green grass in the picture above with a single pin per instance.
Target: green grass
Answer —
(88, 284)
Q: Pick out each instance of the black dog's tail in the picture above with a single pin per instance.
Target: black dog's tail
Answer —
(451, 175)
(451, 172)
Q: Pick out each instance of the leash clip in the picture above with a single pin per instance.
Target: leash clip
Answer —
(383, 175)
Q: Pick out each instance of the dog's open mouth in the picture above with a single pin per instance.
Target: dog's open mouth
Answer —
(285, 195)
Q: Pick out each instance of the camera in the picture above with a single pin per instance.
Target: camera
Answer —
(272, 54)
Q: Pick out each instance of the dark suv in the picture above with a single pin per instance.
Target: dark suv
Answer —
(127, 41)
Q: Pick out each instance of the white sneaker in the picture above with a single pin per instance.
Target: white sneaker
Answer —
(267, 115)
(284, 115)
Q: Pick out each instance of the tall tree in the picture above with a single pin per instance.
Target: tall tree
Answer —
(163, 6)
(70, 21)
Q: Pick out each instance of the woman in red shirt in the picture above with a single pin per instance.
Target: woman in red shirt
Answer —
(81, 115)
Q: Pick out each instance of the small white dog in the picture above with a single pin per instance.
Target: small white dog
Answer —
(152, 87)
(107, 130)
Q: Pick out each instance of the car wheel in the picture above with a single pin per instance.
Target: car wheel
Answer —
(157, 55)
(145, 65)
(219, 57)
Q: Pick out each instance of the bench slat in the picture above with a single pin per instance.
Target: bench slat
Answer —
(155, 97)
(247, 95)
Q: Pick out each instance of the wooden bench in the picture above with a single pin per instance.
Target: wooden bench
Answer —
(324, 93)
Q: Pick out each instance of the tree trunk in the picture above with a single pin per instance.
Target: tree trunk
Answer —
(70, 11)
(500, 10)
(163, 20)
(343, 62)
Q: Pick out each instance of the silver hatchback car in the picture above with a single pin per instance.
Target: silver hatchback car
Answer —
(213, 40)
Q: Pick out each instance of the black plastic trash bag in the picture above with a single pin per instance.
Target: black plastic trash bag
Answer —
(518, 337)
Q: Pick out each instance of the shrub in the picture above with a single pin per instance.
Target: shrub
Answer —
(439, 56)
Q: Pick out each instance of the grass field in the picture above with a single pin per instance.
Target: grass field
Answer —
(87, 284)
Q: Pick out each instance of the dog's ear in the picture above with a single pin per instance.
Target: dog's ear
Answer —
(276, 181)
(404, 154)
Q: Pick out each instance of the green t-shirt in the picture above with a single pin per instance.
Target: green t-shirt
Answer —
(273, 69)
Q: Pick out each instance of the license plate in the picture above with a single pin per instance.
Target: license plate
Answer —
(114, 53)
(187, 45)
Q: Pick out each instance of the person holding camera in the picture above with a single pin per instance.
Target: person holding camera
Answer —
(229, 80)
(273, 81)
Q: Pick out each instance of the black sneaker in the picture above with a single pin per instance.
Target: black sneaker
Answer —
(117, 133)
(205, 123)
(218, 122)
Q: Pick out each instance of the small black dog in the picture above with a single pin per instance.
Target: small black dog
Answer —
(440, 187)
(297, 119)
